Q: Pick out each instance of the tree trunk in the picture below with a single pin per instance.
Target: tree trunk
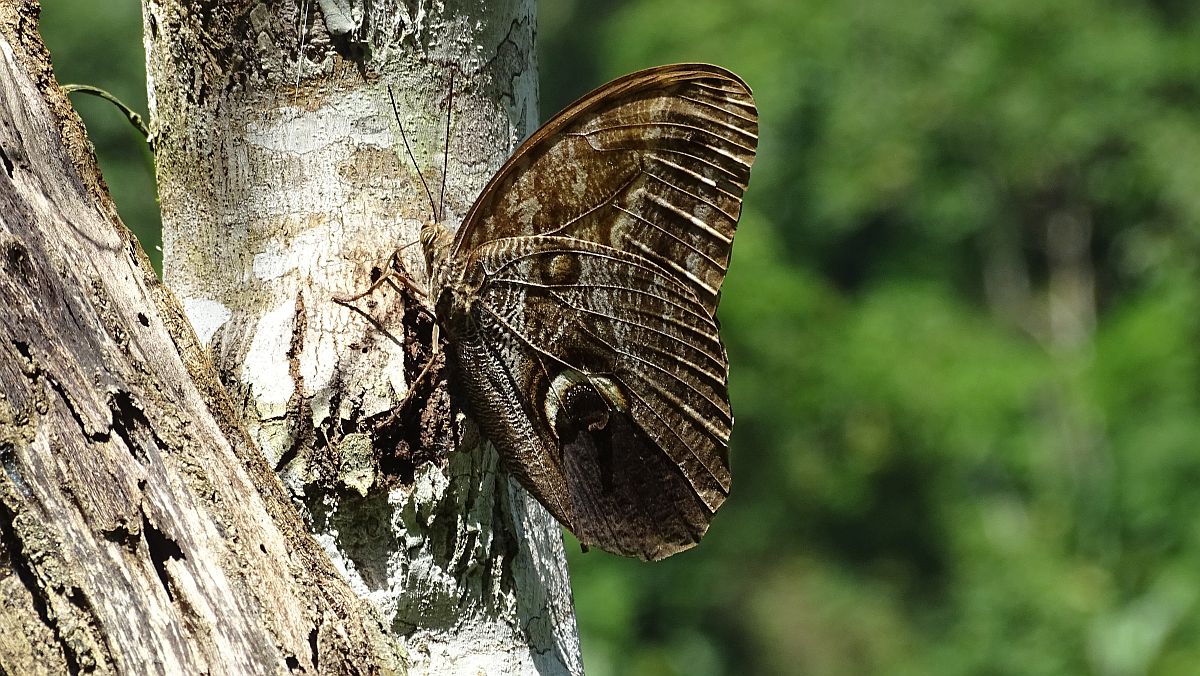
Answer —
(283, 183)
(140, 529)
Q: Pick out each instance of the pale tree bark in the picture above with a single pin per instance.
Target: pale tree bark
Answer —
(140, 530)
(282, 184)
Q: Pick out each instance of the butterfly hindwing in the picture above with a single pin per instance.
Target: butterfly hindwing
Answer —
(625, 379)
(585, 280)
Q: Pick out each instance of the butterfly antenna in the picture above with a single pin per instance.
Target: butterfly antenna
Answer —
(408, 149)
(446, 151)
(301, 34)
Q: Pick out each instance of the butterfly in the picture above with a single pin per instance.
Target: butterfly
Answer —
(578, 298)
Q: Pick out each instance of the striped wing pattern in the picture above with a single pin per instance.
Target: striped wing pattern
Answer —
(595, 260)
(654, 163)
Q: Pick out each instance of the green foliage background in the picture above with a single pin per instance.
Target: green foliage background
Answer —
(962, 320)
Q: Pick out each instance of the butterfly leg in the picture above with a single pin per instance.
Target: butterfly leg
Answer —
(395, 271)
(434, 350)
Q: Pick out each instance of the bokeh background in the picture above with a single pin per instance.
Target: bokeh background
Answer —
(962, 317)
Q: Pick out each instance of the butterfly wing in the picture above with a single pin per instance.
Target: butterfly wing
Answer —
(654, 163)
(596, 256)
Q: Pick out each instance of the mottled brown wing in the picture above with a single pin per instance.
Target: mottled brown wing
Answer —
(654, 163)
(603, 383)
(598, 253)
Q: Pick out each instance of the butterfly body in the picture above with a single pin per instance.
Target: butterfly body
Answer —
(579, 295)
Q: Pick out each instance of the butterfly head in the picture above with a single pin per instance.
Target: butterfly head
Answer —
(436, 241)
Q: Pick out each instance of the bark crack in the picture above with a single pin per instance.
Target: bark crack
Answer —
(20, 564)
(312, 647)
(296, 410)
(34, 371)
(506, 40)
(162, 548)
(8, 163)
(17, 263)
(128, 417)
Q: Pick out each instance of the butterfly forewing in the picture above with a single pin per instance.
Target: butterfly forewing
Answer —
(586, 280)
(654, 163)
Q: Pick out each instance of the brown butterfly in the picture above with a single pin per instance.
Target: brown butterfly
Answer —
(578, 298)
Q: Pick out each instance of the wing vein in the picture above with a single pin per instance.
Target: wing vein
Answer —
(673, 125)
(714, 376)
(701, 420)
(725, 110)
(704, 318)
(670, 234)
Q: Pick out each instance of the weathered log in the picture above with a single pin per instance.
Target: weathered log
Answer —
(140, 528)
